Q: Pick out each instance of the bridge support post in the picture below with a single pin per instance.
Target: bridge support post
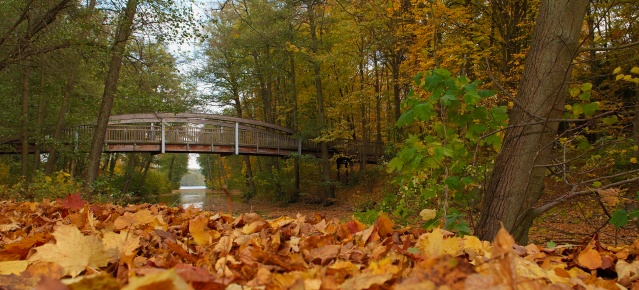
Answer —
(163, 138)
(299, 147)
(237, 138)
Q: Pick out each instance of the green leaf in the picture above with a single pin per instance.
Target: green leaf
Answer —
(432, 81)
(577, 109)
(597, 184)
(574, 92)
(550, 244)
(471, 98)
(417, 80)
(499, 114)
(448, 98)
(610, 120)
(586, 87)
(423, 111)
(442, 71)
(590, 108)
(406, 119)
(396, 164)
(585, 96)
(452, 182)
(619, 218)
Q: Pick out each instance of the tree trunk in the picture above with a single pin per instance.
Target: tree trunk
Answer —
(247, 159)
(145, 171)
(517, 181)
(326, 166)
(24, 138)
(43, 103)
(128, 173)
(296, 192)
(66, 104)
(124, 27)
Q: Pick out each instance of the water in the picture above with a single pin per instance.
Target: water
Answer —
(192, 196)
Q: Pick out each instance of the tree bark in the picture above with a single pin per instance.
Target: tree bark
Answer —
(24, 138)
(64, 108)
(517, 181)
(326, 166)
(110, 86)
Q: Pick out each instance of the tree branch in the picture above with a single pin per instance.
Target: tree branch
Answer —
(573, 194)
(623, 46)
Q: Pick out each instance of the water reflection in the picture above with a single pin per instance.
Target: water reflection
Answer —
(192, 196)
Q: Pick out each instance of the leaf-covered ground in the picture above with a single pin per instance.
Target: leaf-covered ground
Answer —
(69, 244)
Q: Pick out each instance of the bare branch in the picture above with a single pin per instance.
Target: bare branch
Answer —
(623, 46)
(573, 194)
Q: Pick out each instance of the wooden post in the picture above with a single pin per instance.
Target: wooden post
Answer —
(237, 138)
(163, 138)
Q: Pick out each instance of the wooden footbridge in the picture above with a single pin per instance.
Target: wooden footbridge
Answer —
(202, 133)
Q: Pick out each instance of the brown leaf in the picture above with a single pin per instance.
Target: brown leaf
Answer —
(384, 225)
(324, 254)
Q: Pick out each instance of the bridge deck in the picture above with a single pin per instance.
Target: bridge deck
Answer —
(203, 133)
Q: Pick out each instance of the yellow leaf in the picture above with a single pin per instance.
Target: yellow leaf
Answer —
(633, 160)
(133, 220)
(13, 267)
(634, 70)
(434, 244)
(619, 76)
(117, 246)
(428, 214)
(199, 230)
(168, 280)
(365, 281)
(280, 222)
(627, 78)
(617, 70)
(73, 251)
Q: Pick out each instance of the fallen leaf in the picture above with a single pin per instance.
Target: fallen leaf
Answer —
(119, 245)
(199, 230)
(434, 244)
(73, 251)
(589, 258)
(365, 281)
(134, 220)
(13, 267)
(165, 280)
(73, 201)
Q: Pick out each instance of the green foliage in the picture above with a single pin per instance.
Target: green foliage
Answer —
(621, 217)
(41, 187)
(454, 133)
(368, 217)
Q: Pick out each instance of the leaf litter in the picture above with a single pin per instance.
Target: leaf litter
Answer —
(71, 244)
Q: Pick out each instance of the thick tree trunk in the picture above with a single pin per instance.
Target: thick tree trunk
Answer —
(110, 86)
(517, 181)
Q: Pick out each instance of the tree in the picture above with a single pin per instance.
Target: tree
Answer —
(517, 181)
(124, 28)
